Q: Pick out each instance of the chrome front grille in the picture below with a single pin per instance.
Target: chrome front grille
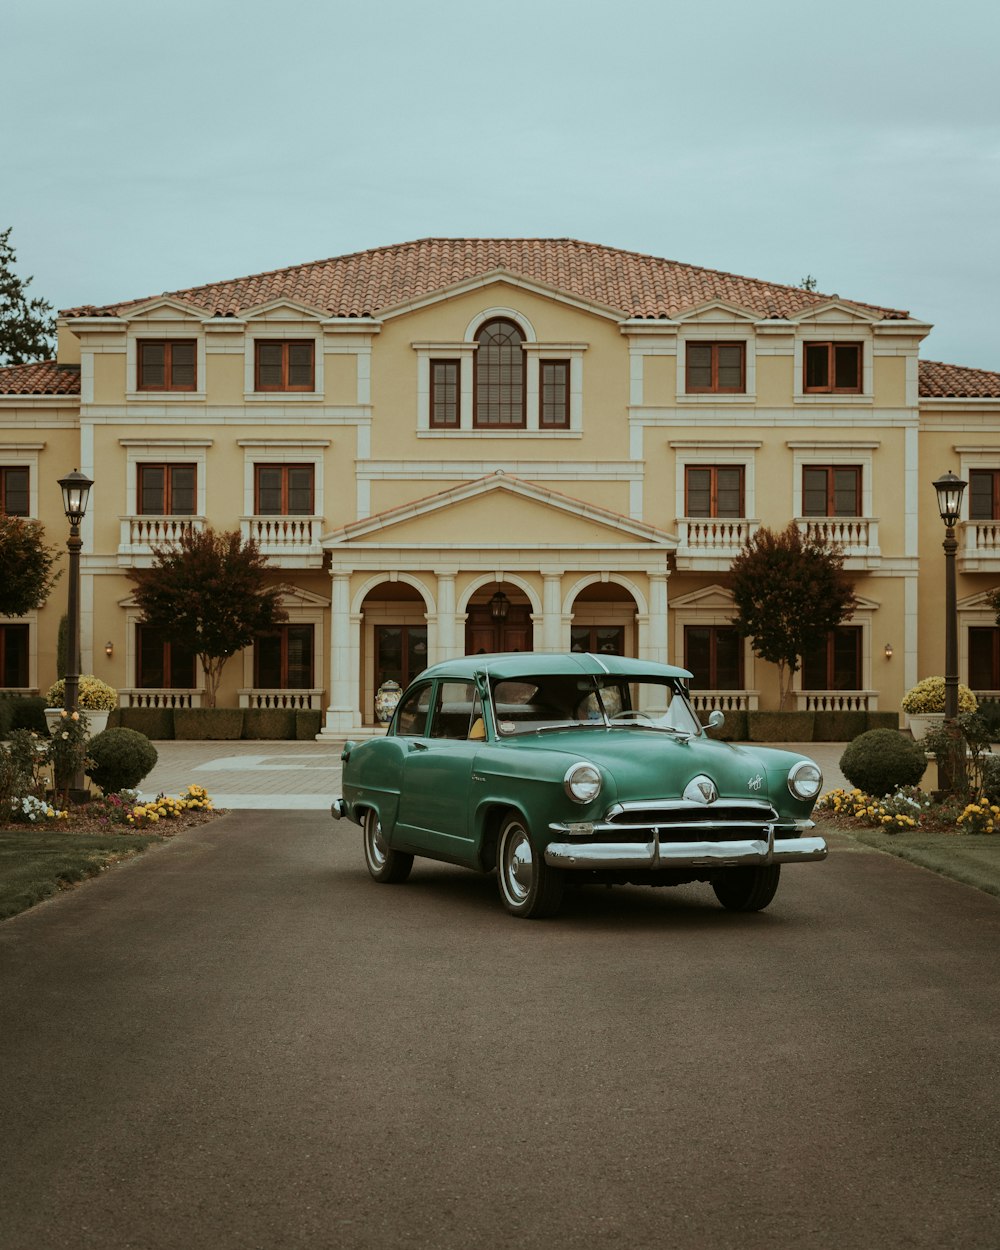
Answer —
(677, 820)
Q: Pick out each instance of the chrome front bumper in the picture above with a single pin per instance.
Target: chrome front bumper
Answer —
(744, 853)
(338, 809)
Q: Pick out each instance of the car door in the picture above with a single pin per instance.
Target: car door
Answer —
(434, 814)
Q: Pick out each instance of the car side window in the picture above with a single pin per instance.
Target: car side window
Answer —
(411, 715)
(453, 710)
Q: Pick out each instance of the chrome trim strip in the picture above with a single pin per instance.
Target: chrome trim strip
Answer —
(682, 805)
(657, 854)
(694, 826)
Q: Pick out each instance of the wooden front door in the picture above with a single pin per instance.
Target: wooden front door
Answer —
(485, 635)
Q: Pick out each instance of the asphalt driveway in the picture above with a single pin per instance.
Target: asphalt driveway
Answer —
(239, 1041)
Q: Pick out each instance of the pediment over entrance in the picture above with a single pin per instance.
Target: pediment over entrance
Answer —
(500, 512)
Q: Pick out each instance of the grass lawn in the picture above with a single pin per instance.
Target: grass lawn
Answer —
(38, 861)
(969, 858)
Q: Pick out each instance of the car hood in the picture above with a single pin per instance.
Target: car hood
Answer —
(645, 763)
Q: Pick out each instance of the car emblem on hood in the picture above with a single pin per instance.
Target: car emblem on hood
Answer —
(755, 783)
(701, 790)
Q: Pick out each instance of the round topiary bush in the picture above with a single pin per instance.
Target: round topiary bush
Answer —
(120, 759)
(881, 760)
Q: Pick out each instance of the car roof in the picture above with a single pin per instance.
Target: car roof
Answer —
(513, 664)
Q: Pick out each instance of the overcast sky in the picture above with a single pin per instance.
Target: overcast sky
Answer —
(147, 148)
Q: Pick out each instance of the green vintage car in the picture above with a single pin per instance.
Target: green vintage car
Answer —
(590, 768)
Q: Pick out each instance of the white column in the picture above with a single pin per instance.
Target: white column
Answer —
(445, 647)
(344, 712)
(552, 612)
(656, 626)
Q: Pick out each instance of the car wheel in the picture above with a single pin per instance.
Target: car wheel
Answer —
(528, 886)
(747, 889)
(383, 863)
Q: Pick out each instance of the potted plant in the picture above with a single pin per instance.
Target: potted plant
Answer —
(924, 705)
(95, 698)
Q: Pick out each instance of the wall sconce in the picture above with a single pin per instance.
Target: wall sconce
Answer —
(499, 606)
(109, 649)
(888, 650)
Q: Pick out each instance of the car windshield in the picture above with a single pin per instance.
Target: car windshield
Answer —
(534, 704)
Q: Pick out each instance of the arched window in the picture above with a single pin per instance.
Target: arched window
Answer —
(499, 375)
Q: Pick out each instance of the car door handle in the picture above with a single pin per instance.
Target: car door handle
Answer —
(415, 745)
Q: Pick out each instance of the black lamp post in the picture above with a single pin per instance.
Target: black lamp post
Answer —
(950, 490)
(75, 488)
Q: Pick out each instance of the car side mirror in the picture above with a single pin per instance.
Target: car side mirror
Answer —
(715, 719)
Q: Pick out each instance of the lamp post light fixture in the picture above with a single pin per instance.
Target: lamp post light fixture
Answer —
(950, 490)
(499, 606)
(75, 488)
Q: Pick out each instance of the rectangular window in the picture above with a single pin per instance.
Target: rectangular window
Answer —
(831, 490)
(14, 656)
(162, 664)
(714, 491)
(284, 365)
(14, 490)
(984, 494)
(167, 365)
(716, 368)
(984, 657)
(598, 639)
(284, 660)
(445, 393)
(832, 367)
(554, 383)
(283, 489)
(714, 654)
(167, 489)
(835, 664)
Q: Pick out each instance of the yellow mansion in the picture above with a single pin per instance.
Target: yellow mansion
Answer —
(455, 445)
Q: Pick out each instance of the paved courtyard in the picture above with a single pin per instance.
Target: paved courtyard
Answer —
(304, 776)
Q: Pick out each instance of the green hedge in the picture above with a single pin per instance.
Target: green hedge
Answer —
(204, 724)
(307, 725)
(27, 711)
(154, 722)
(269, 722)
(839, 726)
(780, 726)
(883, 720)
(734, 728)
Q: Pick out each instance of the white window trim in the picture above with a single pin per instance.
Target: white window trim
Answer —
(974, 458)
(31, 620)
(863, 618)
(695, 452)
(133, 619)
(845, 334)
(283, 451)
(24, 455)
(715, 334)
(165, 451)
(132, 392)
(282, 331)
(696, 614)
(301, 614)
(830, 453)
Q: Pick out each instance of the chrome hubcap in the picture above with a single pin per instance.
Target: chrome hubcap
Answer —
(519, 867)
(377, 849)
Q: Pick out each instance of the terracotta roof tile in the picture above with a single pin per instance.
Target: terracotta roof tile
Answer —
(943, 381)
(367, 283)
(45, 377)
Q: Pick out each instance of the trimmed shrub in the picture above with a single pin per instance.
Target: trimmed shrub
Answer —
(307, 724)
(990, 766)
(928, 696)
(780, 726)
(269, 722)
(119, 759)
(989, 710)
(28, 712)
(882, 760)
(839, 726)
(93, 695)
(883, 720)
(154, 722)
(208, 724)
(6, 712)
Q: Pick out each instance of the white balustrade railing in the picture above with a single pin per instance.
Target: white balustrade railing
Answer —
(836, 700)
(713, 535)
(724, 700)
(299, 700)
(857, 536)
(276, 534)
(982, 538)
(140, 534)
(160, 698)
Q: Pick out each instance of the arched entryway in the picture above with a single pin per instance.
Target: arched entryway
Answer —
(604, 620)
(498, 619)
(394, 641)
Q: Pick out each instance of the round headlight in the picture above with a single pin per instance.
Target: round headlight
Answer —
(582, 782)
(805, 779)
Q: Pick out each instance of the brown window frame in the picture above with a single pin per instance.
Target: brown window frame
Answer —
(450, 363)
(166, 648)
(5, 470)
(994, 474)
(284, 469)
(168, 346)
(830, 660)
(495, 425)
(563, 422)
(713, 657)
(281, 632)
(168, 489)
(714, 388)
(831, 364)
(592, 632)
(284, 385)
(831, 491)
(23, 631)
(994, 646)
(713, 469)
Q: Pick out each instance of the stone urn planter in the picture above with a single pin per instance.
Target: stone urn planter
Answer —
(921, 725)
(97, 720)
